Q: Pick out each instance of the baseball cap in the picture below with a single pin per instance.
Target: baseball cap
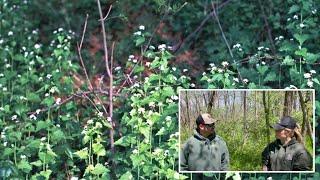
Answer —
(285, 122)
(205, 119)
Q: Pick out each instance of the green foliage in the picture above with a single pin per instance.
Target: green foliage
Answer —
(43, 133)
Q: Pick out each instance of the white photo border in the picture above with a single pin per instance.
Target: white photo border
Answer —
(241, 90)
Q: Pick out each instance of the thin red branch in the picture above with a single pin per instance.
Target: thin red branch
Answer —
(109, 71)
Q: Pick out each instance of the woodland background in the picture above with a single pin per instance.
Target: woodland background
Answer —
(89, 89)
(244, 119)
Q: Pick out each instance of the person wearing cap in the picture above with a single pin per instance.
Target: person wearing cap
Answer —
(204, 151)
(286, 153)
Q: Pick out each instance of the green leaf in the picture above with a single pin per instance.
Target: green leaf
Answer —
(271, 77)
(99, 149)
(33, 97)
(7, 169)
(154, 77)
(60, 38)
(162, 131)
(7, 151)
(168, 91)
(262, 69)
(137, 159)
(58, 135)
(317, 160)
(86, 139)
(6, 108)
(46, 173)
(138, 69)
(68, 152)
(126, 176)
(99, 169)
(107, 124)
(155, 63)
(217, 77)
(301, 52)
(294, 74)
(140, 40)
(37, 163)
(43, 125)
(24, 166)
(34, 143)
(252, 85)
(288, 47)
(82, 154)
(316, 80)
(301, 38)
(288, 61)
(294, 9)
(125, 141)
(312, 58)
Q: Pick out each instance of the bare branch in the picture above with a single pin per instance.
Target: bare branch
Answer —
(225, 39)
(109, 71)
(202, 23)
(107, 14)
(268, 27)
(84, 31)
(79, 94)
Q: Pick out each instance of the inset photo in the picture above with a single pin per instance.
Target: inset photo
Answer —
(267, 130)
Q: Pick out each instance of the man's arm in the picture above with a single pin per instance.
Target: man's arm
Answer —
(225, 159)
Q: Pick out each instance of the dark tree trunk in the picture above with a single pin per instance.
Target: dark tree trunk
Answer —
(266, 104)
(212, 98)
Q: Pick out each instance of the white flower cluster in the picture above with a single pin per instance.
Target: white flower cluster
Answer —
(237, 46)
(262, 47)
(162, 47)
(245, 81)
(279, 38)
(131, 58)
(224, 64)
(308, 76)
(157, 151)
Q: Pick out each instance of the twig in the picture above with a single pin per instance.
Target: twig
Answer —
(202, 23)
(85, 71)
(225, 39)
(148, 43)
(84, 31)
(109, 71)
(268, 28)
(107, 14)
(78, 94)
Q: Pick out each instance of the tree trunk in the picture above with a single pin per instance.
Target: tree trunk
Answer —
(267, 113)
(245, 116)
(212, 98)
(188, 118)
(288, 103)
(305, 123)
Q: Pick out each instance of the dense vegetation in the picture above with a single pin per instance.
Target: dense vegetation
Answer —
(76, 102)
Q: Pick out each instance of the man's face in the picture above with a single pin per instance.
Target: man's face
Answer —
(207, 129)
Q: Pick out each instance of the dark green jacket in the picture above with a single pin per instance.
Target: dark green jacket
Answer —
(204, 154)
(292, 156)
